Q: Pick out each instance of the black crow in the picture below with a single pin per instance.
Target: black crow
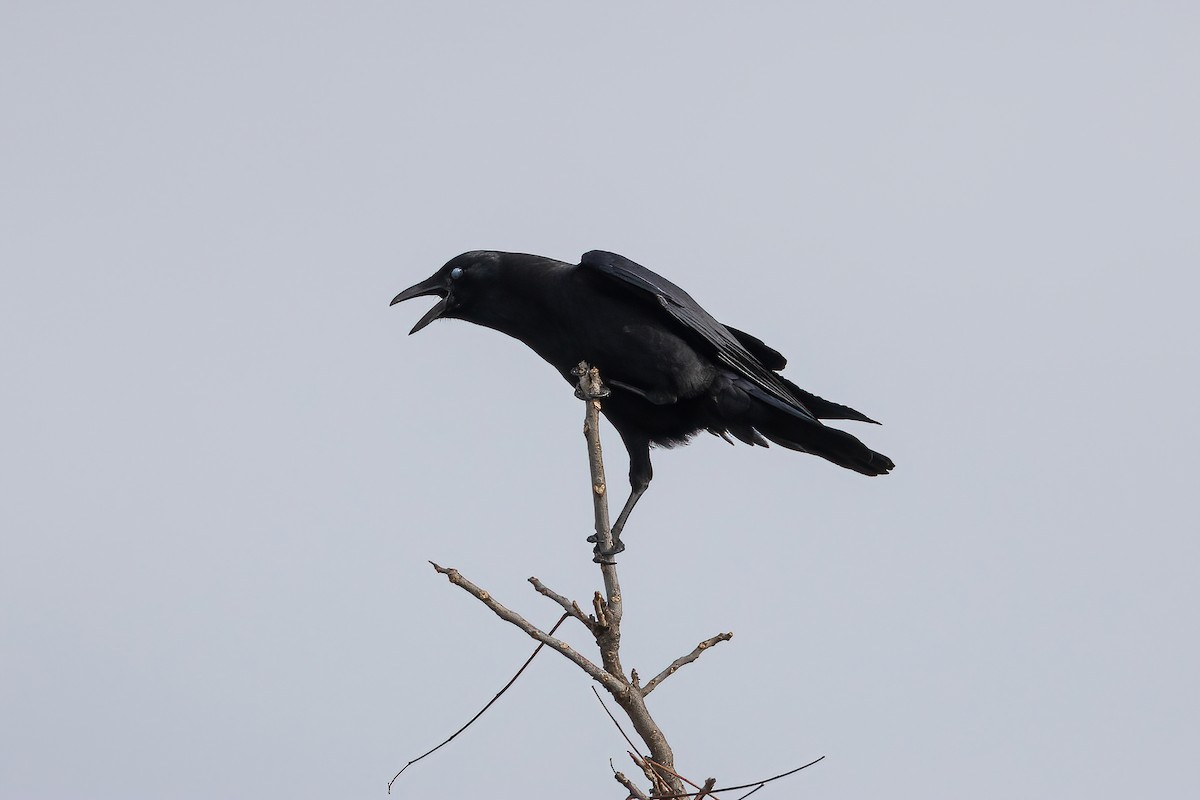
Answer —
(672, 369)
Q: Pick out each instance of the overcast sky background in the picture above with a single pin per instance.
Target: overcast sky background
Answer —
(225, 465)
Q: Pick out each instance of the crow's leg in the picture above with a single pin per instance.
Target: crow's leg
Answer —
(618, 526)
(640, 473)
(623, 517)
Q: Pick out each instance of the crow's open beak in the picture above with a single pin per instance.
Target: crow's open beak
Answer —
(434, 285)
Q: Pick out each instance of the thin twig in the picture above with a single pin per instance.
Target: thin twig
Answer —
(689, 782)
(471, 721)
(614, 721)
(597, 674)
(689, 658)
(569, 606)
(746, 785)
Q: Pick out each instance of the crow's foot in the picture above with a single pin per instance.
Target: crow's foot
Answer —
(600, 396)
(602, 556)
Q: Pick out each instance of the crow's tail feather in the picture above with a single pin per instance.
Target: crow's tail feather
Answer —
(831, 444)
(822, 408)
(796, 431)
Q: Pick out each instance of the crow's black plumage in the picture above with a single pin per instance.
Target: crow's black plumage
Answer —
(673, 370)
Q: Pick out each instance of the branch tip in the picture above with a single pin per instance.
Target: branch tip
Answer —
(684, 660)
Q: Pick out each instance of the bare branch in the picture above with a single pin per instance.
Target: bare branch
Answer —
(613, 684)
(706, 789)
(610, 608)
(569, 606)
(591, 389)
(683, 660)
(605, 626)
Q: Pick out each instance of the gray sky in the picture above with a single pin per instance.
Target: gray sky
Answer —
(225, 464)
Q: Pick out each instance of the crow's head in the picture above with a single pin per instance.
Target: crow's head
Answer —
(463, 284)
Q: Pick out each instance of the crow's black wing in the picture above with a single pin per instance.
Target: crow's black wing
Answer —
(769, 356)
(731, 350)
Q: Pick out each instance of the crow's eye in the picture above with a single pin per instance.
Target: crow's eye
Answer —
(456, 273)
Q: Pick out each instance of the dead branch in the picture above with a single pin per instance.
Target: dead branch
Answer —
(611, 608)
(591, 390)
(682, 660)
(605, 625)
(608, 681)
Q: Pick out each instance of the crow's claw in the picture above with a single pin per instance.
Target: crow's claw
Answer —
(601, 556)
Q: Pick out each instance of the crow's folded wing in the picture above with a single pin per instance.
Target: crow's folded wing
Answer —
(742, 353)
(769, 356)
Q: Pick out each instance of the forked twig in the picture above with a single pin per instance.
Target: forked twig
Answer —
(569, 606)
(608, 681)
